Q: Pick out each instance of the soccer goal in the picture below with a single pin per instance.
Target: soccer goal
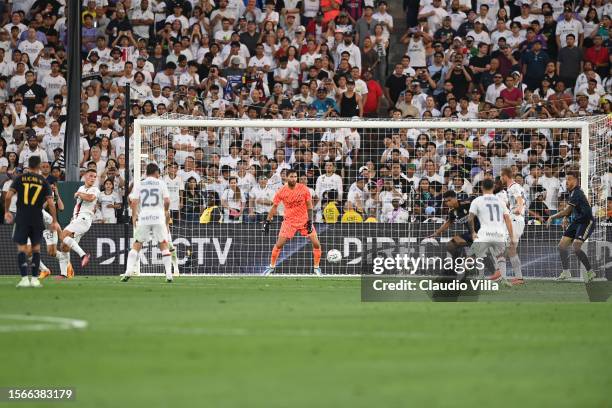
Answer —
(376, 186)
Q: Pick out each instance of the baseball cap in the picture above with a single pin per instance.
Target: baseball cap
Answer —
(235, 60)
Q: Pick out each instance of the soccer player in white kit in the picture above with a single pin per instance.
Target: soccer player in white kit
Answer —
(495, 226)
(150, 202)
(516, 204)
(82, 217)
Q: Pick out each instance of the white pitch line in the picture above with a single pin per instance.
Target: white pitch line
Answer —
(40, 323)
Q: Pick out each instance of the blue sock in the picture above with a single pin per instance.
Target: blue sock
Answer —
(35, 264)
(22, 261)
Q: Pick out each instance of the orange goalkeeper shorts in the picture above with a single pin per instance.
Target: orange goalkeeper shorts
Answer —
(288, 230)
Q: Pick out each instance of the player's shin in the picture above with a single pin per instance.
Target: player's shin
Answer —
(515, 261)
(131, 262)
(22, 261)
(72, 244)
(584, 259)
(501, 265)
(167, 260)
(35, 264)
(316, 253)
(63, 259)
(275, 254)
(564, 255)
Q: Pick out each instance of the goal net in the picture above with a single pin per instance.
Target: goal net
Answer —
(377, 186)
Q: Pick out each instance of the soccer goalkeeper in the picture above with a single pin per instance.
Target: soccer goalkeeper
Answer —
(299, 214)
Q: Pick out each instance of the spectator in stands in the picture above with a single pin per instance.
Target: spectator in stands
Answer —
(307, 59)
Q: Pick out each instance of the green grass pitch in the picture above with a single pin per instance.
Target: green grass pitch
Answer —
(254, 342)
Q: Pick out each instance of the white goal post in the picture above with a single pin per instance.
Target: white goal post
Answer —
(236, 246)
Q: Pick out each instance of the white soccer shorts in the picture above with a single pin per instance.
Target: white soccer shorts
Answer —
(518, 227)
(156, 233)
(50, 237)
(79, 227)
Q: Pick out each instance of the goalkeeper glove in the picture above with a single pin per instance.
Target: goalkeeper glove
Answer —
(266, 227)
(309, 227)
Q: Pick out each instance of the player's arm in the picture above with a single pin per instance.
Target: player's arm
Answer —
(53, 211)
(134, 207)
(471, 224)
(60, 202)
(89, 197)
(508, 222)
(167, 207)
(271, 214)
(563, 213)
(310, 208)
(520, 205)
(8, 217)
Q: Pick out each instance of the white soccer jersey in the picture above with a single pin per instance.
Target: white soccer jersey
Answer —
(514, 192)
(490, 211)
(86, 209)
(151, 193)
(326, 183)
(108, 214)
(6, 188)
(258, 193)
(175, 186)
(503, 196)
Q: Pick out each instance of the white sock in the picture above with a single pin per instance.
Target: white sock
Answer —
(72, 244)
(43, 267)
(501, 265)
(175, 266)
(167, 260)
(132, 261)
(515, 261)
(64, 260)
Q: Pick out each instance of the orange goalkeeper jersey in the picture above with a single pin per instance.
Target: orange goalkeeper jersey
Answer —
(295, 200)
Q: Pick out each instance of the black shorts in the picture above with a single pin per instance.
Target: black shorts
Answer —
(580, 230)
(21, 233)
(467, 237)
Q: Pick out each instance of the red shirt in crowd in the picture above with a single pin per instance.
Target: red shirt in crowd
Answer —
(374, 94)
(596, 56)
(512, 95)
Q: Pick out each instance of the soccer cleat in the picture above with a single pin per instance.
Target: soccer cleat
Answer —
(517, 281)
(505, 282)
(70, 271)
(35, 283)
(44, 274)
(564, 276)
(24, 283)
(589, 276)
(169, 280)
(125, 278)
(268, 270)
(496, 276)
(317, 271)
(85, 260)
(61, 277)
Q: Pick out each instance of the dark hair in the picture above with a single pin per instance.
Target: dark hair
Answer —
(34, 162)
(152, 168)
(488, 184)
(449, 194)
(573, 173)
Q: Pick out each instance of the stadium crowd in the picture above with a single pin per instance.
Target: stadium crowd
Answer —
(457, 60)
